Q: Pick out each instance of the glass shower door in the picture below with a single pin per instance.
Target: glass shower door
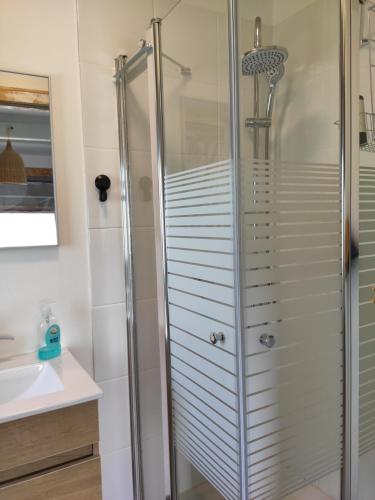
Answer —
(200, 251)
(291, 250)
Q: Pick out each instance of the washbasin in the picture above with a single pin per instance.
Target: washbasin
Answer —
(28, 381)
(29, 386)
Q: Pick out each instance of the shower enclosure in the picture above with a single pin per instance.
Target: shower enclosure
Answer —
(259, 153)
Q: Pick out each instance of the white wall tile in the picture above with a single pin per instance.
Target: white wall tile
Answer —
(107, 266)
(190, 38)
(308, 493)
(147, 334)
(162, 7)
(120, 24)
(107, 162)
(150, 403)
(110, 342)
(117, 475)
(141, 182)
(153, 471)
(366, 475)
(99, 106)
(114, 426)
(182, 101)
(138, 113)
(144, 263)
(330, 485)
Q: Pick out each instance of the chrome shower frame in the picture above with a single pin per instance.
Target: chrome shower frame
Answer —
(349, 153)
(122, 63)
(257, 43)
(349, 166)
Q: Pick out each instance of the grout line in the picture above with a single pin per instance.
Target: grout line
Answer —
(104, 228)
(98, 228)
(147, 370)
(96, 148)
(108, 305)
(151, 299)
(154, 436)
(93, 306)
(171, 9)
(112, 379)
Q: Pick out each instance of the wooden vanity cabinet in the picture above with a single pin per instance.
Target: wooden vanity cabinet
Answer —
(51, 456)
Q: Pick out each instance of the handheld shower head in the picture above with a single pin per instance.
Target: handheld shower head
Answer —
(273, 76)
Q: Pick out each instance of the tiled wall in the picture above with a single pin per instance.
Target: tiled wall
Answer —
(307, 101)
(105, 30)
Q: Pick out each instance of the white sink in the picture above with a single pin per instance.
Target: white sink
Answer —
(28, 381)
(28, 386)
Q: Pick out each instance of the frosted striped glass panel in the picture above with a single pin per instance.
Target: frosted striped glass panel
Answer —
(201, 300)
(292, 290)
(366, 310)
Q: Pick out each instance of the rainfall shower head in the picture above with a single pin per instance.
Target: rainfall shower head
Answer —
(261, 59)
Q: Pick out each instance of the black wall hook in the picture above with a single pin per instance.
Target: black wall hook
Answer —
(103, 183)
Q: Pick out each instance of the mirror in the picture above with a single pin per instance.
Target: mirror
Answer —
(27, 191)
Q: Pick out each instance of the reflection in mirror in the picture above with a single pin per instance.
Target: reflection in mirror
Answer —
(27, 200)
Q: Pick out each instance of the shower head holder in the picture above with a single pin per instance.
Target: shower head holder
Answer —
(262, 122)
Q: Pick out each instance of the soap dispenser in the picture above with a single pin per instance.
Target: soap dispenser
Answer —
(49, 333)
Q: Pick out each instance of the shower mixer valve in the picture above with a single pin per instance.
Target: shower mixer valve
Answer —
(267, 340)
(216, 337)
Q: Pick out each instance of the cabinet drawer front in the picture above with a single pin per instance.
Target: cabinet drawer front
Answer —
(35, 438)
(80, 481)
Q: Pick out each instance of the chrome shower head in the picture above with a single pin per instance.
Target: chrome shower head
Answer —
(274, 75)
(262, 59)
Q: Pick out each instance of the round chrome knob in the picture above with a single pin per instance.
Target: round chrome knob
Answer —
(267, 340)
(216, 337)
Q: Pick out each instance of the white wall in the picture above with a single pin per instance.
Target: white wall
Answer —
(40, 37)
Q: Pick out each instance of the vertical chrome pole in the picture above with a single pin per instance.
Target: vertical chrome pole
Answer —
(257, 44)
(237, 243)
(350, 249)
(267, 143)
(158, 174)
(256, 115)
(135, 425)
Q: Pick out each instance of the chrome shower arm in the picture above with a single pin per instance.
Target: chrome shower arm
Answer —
(258, 33)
